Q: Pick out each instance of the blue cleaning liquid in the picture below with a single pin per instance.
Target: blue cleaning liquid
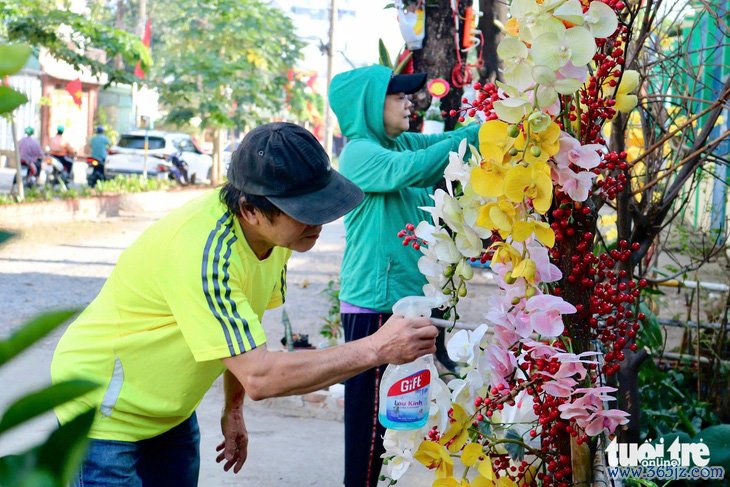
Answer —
(405, 398)
(405, 395)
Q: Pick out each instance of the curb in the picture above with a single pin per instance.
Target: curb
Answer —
(93, 208)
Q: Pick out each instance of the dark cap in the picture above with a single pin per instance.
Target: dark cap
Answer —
(285, 163)
(406, 83)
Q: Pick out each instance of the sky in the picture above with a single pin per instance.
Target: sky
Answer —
(362, 22)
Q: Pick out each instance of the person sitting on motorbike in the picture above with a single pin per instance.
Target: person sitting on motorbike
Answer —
(99, 144)
(30, 152)
(62, 150)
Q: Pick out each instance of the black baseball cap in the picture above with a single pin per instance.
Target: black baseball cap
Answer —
(285, 163)
(406, 83)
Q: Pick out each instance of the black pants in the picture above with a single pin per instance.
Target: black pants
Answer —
(363, 432)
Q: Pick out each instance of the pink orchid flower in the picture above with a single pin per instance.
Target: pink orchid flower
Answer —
(501, 362)
(577, 185)
(546, 314)
(559, 386)
(545, 270)
(606, 421)
(571, 152)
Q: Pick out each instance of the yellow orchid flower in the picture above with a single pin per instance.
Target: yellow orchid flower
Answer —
(522, 230)
(625, 101)
(504, 253)
(451, 482)
(527, 269)
(487, 179)
(494, 140)
(542, 144)
(498, 215)
(532, 182)
(458, 431)
(434, 455)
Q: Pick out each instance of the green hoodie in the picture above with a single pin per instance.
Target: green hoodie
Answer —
(397, 176)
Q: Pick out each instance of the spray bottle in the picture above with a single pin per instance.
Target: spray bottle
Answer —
(405, 397)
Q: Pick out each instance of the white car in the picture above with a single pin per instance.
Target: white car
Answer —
(128, 155)
(228, 151)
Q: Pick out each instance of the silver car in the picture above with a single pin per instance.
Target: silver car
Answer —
(128, 155)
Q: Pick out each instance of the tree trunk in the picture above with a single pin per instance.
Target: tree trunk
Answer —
(438, 58)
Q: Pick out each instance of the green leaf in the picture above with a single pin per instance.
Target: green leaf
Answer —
(651, 333)
(31, 332)
(515, 451)
(10, 99)
(717, 438)
(398, 69)
(14, 468)
(5, 236)
(39, 402)
(65, 449)
(13, 58)
(384, 58)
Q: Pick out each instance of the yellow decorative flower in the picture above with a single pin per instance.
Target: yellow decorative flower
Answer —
(532, 183)
(458, 431)
(487, 179)
(451, 482)
(434, 455)
(526, 269)
(494, 140)
(541, 146)
(499, 216)
(522, 230)
(625, 101)
(504, 253)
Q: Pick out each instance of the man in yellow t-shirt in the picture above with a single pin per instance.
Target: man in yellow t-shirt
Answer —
(184, 304)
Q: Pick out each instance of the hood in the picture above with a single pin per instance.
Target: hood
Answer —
(358, 97)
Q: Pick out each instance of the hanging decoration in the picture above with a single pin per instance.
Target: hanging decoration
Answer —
(412, 21)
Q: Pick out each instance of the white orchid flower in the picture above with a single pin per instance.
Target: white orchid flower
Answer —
(468, 242)
(555, 49)
(464, 345)
(399, 448)
(517, 66)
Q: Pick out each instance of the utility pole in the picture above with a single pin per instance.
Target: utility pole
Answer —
(135, 98)
(330, 58)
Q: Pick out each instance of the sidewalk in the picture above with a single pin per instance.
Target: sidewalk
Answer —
(293, 441)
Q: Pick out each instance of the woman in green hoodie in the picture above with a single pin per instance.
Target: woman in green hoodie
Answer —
(396, 170)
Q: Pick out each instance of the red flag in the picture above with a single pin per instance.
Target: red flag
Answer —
(146, 40)
(74, 89)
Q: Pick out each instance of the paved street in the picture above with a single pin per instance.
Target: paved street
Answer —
(61, 266)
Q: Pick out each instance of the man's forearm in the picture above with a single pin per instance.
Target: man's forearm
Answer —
(233, 392)
(273, 374)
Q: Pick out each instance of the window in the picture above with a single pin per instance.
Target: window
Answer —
(137, 142)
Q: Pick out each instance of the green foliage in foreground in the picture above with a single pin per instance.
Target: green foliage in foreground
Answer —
(53, 462)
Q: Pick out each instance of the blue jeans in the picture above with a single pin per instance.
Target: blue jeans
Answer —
(172, 458)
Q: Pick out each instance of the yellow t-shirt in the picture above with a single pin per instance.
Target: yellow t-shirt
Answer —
(187, 293)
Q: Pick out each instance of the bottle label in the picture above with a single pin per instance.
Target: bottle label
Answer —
(407, 399)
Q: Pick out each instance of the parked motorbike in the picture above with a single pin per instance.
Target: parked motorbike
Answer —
(179, 169)
(94, 171)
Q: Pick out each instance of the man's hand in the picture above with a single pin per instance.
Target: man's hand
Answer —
(234, 447)
(403, 340)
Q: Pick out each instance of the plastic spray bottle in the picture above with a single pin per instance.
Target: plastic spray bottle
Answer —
(405, 397)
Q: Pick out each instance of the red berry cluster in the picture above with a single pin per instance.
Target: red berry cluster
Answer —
(596, 108)
(613, 163)
(409, 237)
(486, 95)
